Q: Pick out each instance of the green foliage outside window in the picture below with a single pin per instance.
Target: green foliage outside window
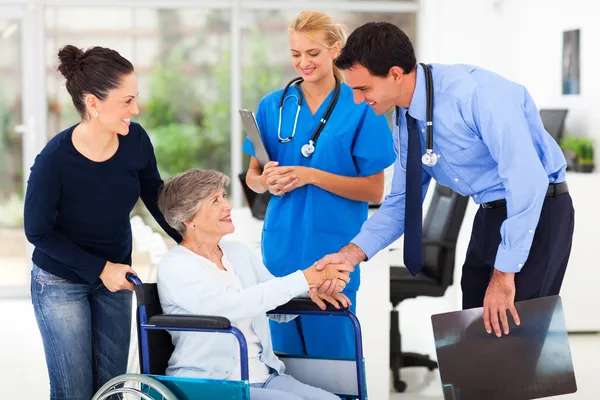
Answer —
(189, 129)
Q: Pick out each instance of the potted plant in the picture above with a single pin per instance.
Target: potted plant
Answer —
(583, 148)
(586, 155)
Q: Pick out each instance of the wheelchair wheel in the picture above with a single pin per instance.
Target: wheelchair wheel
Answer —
(134, 386)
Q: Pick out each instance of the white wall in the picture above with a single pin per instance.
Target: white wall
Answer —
(540, 55)
(522, 40)
(466, 32)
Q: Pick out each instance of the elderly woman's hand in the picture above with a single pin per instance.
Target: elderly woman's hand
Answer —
(335, 299)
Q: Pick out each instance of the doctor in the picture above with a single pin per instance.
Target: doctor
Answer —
(328, 155)
(489, 144)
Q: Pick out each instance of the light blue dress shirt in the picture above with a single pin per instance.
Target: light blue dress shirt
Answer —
(493, 146)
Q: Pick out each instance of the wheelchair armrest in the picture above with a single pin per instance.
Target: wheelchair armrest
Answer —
(303, 304)
(190, 321)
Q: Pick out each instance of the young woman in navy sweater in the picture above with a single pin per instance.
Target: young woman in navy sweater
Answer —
(82, 188)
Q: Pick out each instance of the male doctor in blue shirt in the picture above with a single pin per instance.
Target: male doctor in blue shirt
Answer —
(492, 146)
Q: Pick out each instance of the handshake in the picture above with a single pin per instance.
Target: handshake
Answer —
(329, 276)
(335, 273)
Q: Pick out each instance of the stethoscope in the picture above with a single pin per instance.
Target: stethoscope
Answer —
(429, 158)
(309, 148)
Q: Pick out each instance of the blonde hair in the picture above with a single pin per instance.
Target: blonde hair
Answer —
(312, 22)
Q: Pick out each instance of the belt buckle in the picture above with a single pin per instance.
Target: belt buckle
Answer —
(486, 205)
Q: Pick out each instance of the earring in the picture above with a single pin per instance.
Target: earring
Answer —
(193, 226)
(96, 114)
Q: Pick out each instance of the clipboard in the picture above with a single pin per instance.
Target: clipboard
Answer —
(533, 361)
(251, 127)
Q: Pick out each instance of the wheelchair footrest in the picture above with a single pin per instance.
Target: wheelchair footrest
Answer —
(335, 376)
(205, 389)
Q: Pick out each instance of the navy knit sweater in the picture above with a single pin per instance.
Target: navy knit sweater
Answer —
(77, 210)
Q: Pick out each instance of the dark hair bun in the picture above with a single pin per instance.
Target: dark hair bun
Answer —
(70, 60)
(96, 71)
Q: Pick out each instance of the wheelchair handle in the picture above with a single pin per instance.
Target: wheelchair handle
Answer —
(133, 279)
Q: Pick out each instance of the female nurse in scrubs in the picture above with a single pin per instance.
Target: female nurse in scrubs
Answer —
(321, 197)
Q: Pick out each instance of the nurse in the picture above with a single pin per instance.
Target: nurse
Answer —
(328, 155)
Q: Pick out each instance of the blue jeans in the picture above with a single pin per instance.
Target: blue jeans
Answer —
(85, 330)
(285, 387)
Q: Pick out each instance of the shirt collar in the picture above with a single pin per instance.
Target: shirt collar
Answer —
(418, 104)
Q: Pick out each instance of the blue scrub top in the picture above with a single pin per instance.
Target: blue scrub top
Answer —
(308, 223)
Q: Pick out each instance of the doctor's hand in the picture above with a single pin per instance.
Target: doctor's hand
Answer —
(335, 299)
(350, 255)
(500, 298)
(293, 178)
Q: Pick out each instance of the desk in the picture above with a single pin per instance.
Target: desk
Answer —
(581, 288)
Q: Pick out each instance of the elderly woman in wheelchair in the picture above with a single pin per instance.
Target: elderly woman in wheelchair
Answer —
(207, 276)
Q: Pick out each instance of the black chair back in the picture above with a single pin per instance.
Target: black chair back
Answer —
(554, 122)
(159, 341)
(440, 233)
(257, 202)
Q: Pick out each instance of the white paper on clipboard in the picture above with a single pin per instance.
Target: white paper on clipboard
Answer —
(251, 127)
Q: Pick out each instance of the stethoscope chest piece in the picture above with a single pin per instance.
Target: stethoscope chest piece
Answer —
(430, 158)
(308, 149)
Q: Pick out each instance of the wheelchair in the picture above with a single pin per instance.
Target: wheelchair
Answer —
(344, 377)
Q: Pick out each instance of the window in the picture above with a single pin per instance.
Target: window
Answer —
(182, 64)
(12, 238)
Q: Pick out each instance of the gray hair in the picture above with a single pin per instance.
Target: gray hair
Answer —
(179, 198)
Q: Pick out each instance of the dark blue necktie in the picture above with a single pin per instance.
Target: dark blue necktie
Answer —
(413, 216)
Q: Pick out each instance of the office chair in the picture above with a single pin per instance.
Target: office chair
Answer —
(554, 122)
(257, 202)
(440, 233)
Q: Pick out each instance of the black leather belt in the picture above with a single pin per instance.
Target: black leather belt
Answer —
(554, 189)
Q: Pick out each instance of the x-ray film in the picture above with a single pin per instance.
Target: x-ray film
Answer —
(533, 361)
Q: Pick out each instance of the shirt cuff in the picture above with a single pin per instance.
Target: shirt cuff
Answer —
(510, 261)
(296, 283)
(367, 244)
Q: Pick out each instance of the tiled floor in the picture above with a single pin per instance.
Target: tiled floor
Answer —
(23, 371)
